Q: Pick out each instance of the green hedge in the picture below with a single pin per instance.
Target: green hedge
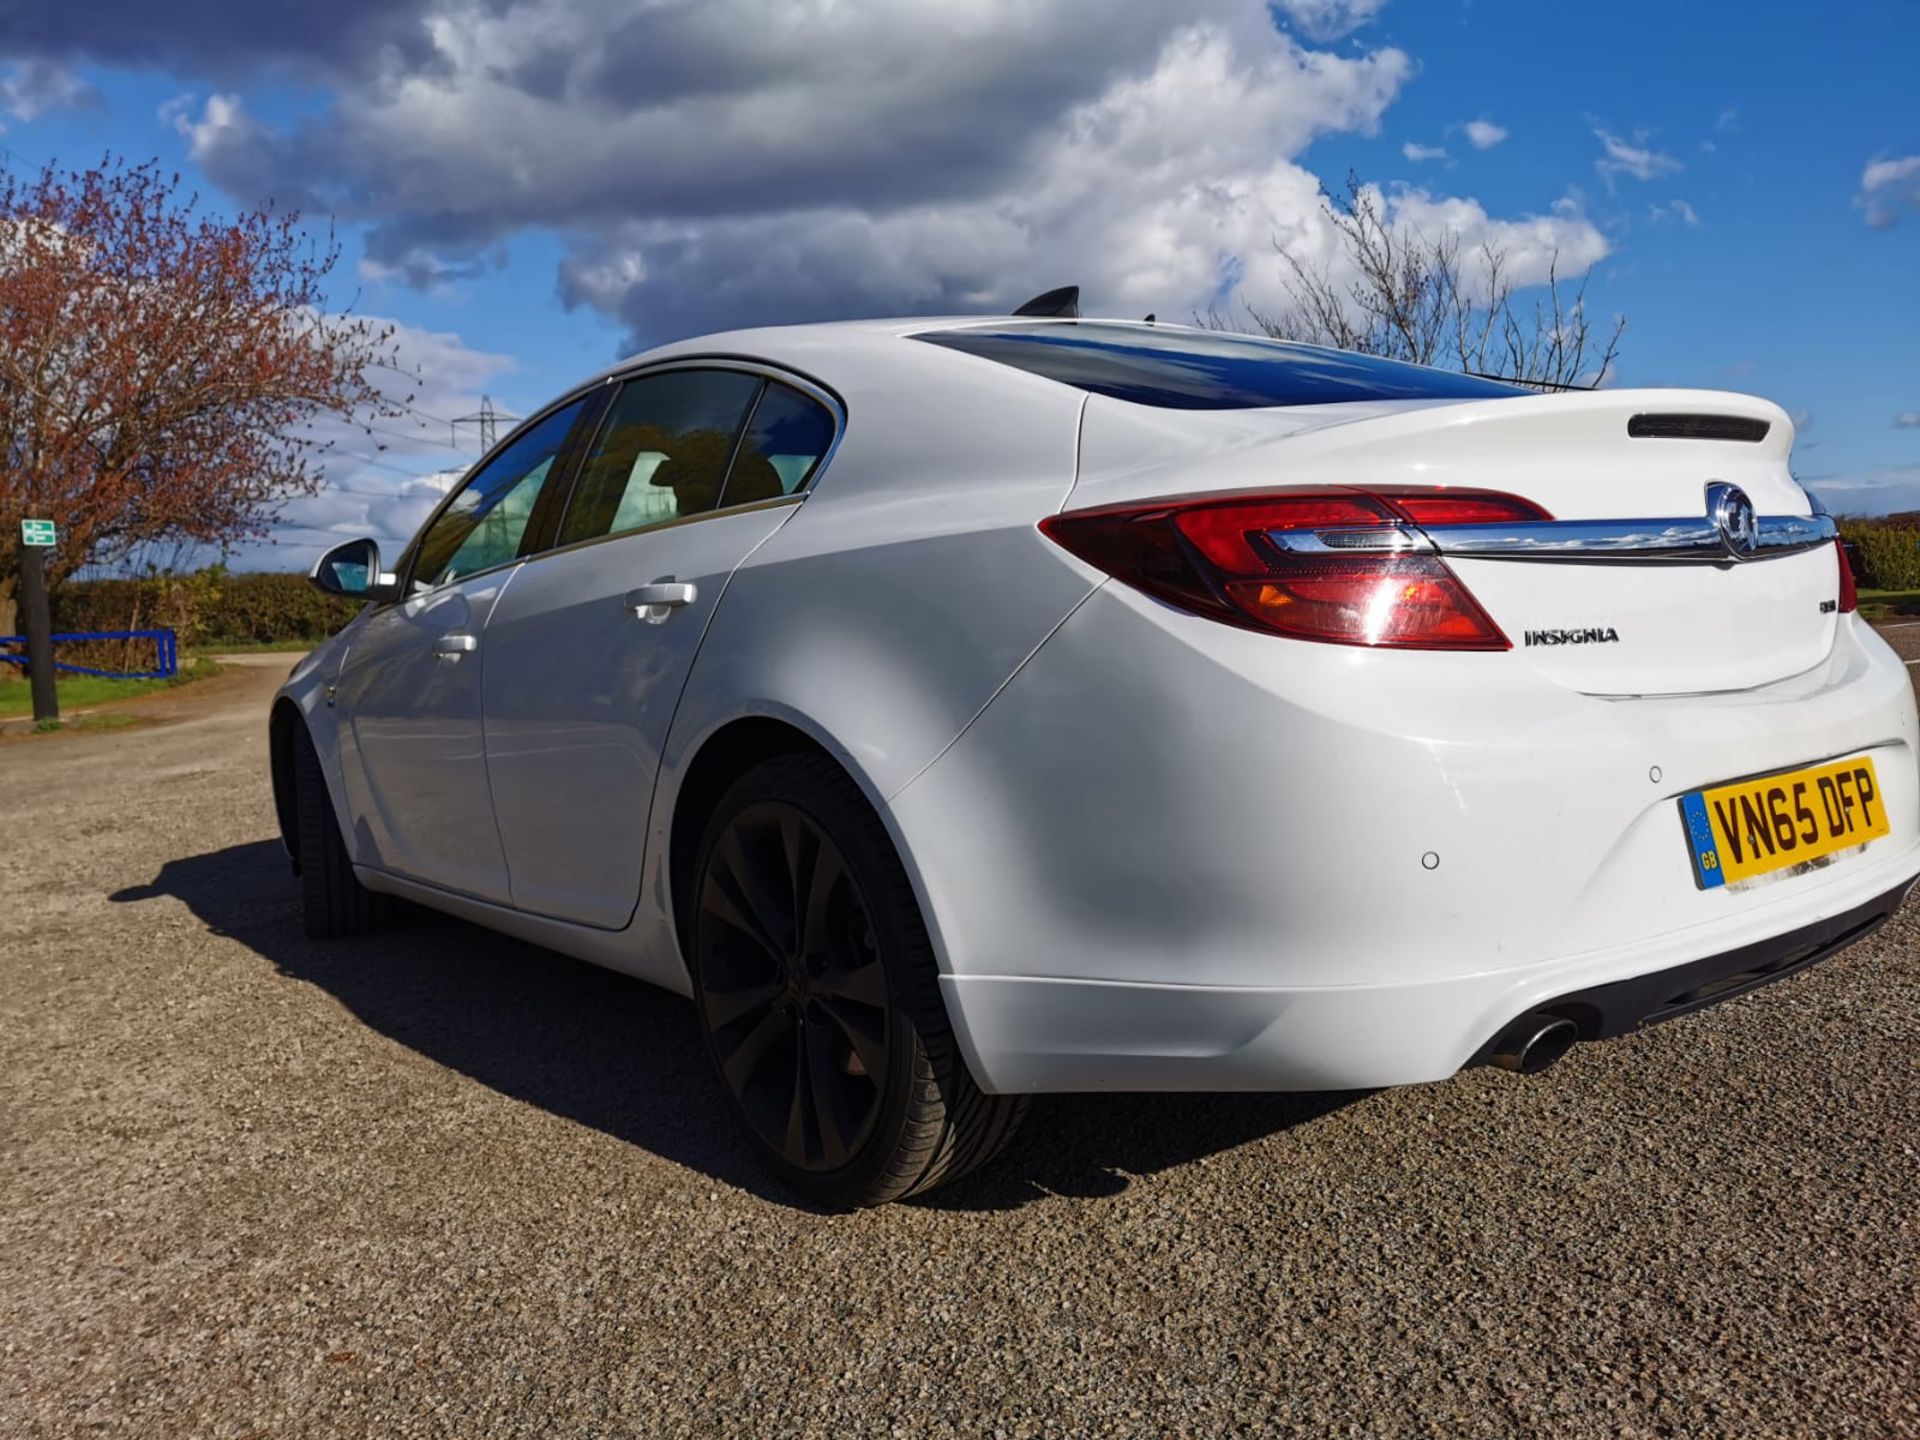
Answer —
(1885, 557)
(206, 607)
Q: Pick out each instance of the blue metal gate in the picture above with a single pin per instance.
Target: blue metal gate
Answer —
(166, 652)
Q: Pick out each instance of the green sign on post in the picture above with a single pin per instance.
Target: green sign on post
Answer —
(36, 538)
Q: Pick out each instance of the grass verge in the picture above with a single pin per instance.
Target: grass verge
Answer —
(78, 692)
(1885, 604)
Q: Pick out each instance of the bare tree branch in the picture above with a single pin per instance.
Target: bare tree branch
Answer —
(1412, 298)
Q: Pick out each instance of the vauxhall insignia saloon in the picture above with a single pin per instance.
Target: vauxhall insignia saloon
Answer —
(963, 709)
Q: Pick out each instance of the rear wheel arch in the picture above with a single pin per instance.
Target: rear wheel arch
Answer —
(723, 757)
(726, 754)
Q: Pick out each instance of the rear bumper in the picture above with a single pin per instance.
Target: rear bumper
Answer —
(1037, 1035)
(1176, 855)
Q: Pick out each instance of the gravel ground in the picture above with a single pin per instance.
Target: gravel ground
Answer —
(443, 1184)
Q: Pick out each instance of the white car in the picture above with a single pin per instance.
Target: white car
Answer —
(960, 709)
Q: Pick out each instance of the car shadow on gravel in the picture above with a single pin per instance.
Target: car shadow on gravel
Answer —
(1091, 1146)
(624, 1057)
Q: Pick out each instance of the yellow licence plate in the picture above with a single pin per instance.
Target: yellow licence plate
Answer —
(1752, 827)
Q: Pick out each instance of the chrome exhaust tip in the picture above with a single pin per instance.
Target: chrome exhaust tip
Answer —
(1533, 1042)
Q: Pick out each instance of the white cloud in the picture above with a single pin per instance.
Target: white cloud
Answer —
(1418, 153)
(1887, 187)
(578, 113)
(227, 142)
(37, 86)
(1563, 239)
(910, 144)
(1635, 158)
(1869, 492)
(382, 475)
(1166, 194)
(1162, 193)
(1908, 420)
(176, 113)
(1484, 134)
(1328, 19)
(378, 504)
(1675, 209)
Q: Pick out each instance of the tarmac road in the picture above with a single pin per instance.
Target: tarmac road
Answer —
(444, 1184)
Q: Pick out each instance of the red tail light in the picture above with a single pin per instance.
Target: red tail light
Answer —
(1849, 596)
(1462, 507)
(1227, 559)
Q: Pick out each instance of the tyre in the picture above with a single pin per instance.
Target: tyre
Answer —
(817, 989)
(333, 902)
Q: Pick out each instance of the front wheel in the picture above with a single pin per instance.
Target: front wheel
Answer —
(817, 988)
(333, 902)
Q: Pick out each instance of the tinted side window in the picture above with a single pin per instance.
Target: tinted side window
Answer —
(1207, 370)
(785, 442)
(487, 520)
(661, 453)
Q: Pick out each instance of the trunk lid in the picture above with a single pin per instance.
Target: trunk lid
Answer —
(1625, 625)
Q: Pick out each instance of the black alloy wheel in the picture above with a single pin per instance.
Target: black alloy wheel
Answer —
(791, 986)
(818, 991)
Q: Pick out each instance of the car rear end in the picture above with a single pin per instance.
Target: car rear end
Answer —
(1394, 732)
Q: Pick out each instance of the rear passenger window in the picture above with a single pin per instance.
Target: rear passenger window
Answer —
(784, 444)
(662, 452)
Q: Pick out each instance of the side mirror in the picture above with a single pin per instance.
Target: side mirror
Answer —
(353, 570)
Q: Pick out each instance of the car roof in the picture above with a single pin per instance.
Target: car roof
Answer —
(770, 341)
(853, 357)
(832, 353)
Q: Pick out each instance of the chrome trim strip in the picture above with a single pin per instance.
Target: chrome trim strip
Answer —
(1692, 541)
(1371, 540)
(1682, 541)
(1586, 540)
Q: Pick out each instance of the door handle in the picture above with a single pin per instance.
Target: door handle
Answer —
(654, 603)
(452, 647)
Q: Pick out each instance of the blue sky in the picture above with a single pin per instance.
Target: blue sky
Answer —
(531, 187)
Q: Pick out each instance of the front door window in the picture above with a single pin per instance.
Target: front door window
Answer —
(486, 523)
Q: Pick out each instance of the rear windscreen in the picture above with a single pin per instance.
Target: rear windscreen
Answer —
(1205, 369)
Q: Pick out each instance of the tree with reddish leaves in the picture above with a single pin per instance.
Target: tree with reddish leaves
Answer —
(161, 369)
